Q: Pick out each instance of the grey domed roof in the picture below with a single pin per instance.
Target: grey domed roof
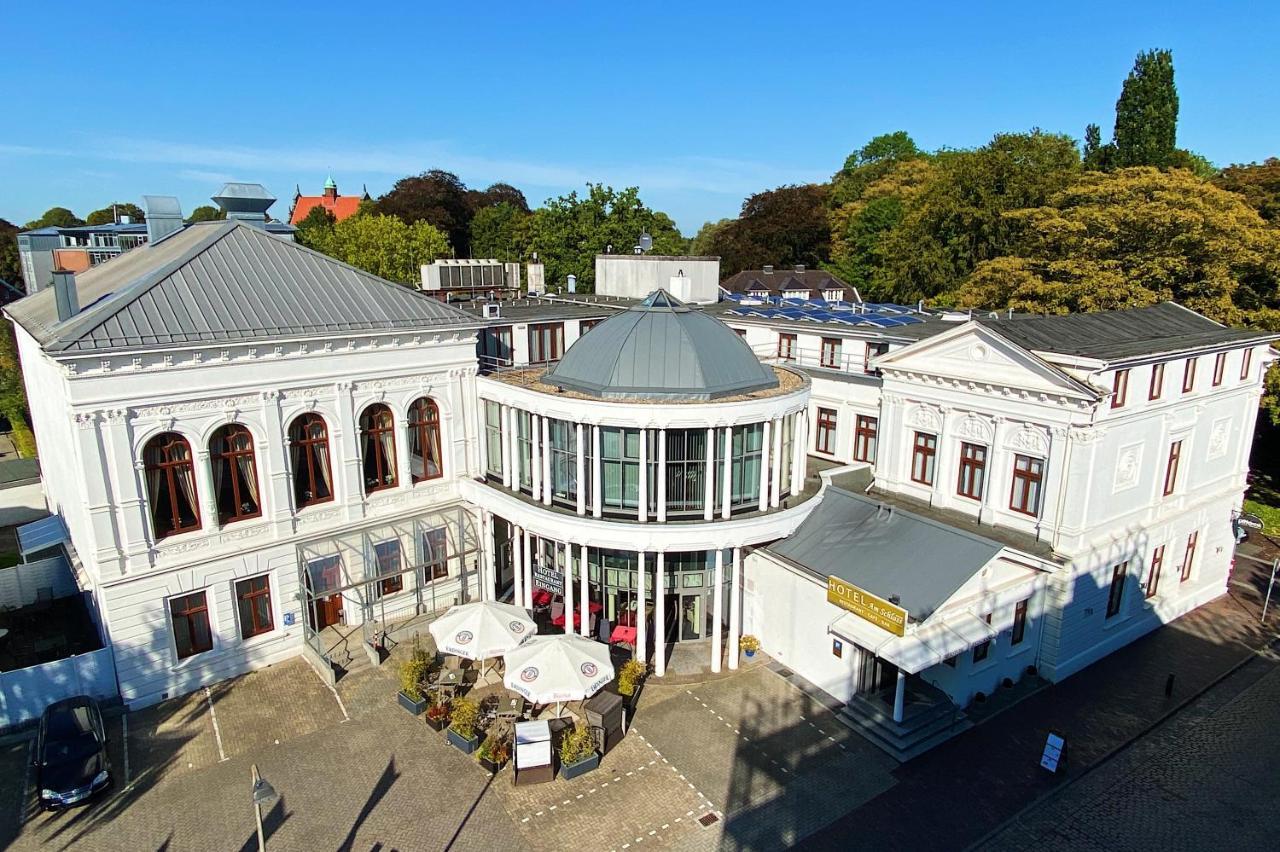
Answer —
(661, 349)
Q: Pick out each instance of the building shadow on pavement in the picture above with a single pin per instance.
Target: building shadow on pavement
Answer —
(386, 780)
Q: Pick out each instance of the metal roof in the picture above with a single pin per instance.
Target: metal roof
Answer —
(891, 553)
(42, 534)
(660, 348)
(225, 282)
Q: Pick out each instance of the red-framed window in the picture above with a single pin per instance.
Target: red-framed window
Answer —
(235, 474)
(786, 346)
(309, 453)
(1171, 468)
(825, 434)
(1189, 557)
(424, 440)
(435, 555)
(1028, 480)
(873, 350)
(1219, 367)
(830, 353)
(171, 485)
(1115, 596)
(1246, 363)
(1153, 573)
(865, 438)
(1019, 623)
(378, 448)
(253, 602)
(190, 617)
(1157, 381)
(924, 453)
(546, 342)
(388, 564)
(1119, 388)
(1189, 376)
(973, 469)
(586, 325)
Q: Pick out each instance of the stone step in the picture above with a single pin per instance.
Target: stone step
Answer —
(905, 741)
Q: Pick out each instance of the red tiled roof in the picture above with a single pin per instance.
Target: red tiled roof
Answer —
(341, 207)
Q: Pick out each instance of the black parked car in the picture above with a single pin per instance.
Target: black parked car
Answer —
(71, 753)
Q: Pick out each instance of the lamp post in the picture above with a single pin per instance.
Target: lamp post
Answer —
(263, 794)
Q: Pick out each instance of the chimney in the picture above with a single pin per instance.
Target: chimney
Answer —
(164, 217)
(573, 284)
(64, 291)
(245, 202)
(768, 269)
(800, 268)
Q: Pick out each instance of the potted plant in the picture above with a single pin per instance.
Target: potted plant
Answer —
(463, 719)
(630, 682)
(494, 752)
(749, 645)
(412, 673)
(578, 754)
(437, 713)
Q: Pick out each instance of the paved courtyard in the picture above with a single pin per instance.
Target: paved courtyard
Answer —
(355, 772)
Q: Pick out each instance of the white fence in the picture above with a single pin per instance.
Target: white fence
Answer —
(20, 585)
(24, 693)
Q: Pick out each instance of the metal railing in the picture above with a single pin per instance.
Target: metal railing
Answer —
(799, 356)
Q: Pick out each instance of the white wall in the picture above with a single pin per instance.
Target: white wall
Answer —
(25, 693)
(636, 276)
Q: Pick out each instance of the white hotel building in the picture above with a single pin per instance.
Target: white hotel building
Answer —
(251, 443)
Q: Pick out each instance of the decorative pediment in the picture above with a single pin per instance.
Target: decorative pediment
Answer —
(975, 356)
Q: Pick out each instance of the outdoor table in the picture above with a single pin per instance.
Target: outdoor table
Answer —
(449, 681)
(510, 707)
(623, 633)
(558, 621)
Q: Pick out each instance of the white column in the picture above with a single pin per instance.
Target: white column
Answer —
(642, 513)
(482, 447)
(404, 471)
(660, 617)
(709, 478)
(568, 585)
(206, 495)
(776, 490)
(642, 644)
(487, 581)
(727, 479)
(899, 696)
(517, 566)
(766, 437)
(662, 476)
(528, 571)
(547, 488)
(717, 611)
(597, 499)
(735, 606)
(276, 476)
(799, 439)
(535, 455)
(511, 473)
(584, 598)
(581, 471)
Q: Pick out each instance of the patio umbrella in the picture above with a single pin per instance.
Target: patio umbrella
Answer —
(482, 629)
(561, 667)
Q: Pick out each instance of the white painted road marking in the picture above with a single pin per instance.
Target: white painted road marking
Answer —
(217, 733)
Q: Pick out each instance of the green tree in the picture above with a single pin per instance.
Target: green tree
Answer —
(207, 213)
(384, 246)
(437, 197)
(569, 231)
(1147, 112)
(782, 226)
(958, 218)
(316, 228)
(57, 217)
(10, 267)
(703, 243)
(108, 214)
(500, 231)
(13, 397)
(859, 228)
(1097, 157)
(870, 163)
(1258, 183)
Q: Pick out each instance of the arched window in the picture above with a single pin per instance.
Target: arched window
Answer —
(235, 474)
(171, 484)
(309, 454)
(378, 448)
(424, 439)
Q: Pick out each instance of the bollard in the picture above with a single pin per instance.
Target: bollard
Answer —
(1168, 687)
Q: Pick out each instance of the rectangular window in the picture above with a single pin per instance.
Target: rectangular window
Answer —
(253, 602)
(586, 325)
(546, 342)
(387, 564)
(1171, 468)
(1219, 367)
(830, 356)
(1153, 575)
(826, 431)
(1189, 376)
(744, 478)
(1028, 476)
(1116, 595)
(1019, 623)
(873, 350)
(973, 467)
(620, 467)
(564, 460)
(190, 615)
(1120, 388)
(981, 650)
(495, 348)
(493, 438)
(864, 439)
(435, 554)
(524, 449)
(1157, 381)
(923, 453)
(1189, 558)
(1246, 363)
(786, 347)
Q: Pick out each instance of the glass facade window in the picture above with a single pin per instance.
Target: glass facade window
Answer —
(620, 467)
(744, 479)
(865, 438)
(524, 449)
(686, 470)
(493, 438)
(564, 461)
(788, 448)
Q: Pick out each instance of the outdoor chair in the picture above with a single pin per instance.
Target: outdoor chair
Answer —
(557, 609)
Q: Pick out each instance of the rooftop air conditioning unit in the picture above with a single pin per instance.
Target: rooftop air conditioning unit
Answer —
(491, 310)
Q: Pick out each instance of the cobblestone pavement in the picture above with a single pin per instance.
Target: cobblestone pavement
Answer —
(1205, 779)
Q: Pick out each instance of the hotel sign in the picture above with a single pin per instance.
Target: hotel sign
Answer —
(865, 605)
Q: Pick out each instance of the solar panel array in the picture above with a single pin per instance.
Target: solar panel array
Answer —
(872, 314)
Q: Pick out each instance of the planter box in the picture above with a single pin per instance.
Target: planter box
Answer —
(492, 767)
(749, 654)
(461, 743)
(437, 724)
(581, 767)
(414, 707)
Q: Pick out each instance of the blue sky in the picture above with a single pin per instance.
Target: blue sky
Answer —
(699, 107)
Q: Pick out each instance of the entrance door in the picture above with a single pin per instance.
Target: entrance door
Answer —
(328, 611)
(323, 574)
(671, 613)
(691, 619)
